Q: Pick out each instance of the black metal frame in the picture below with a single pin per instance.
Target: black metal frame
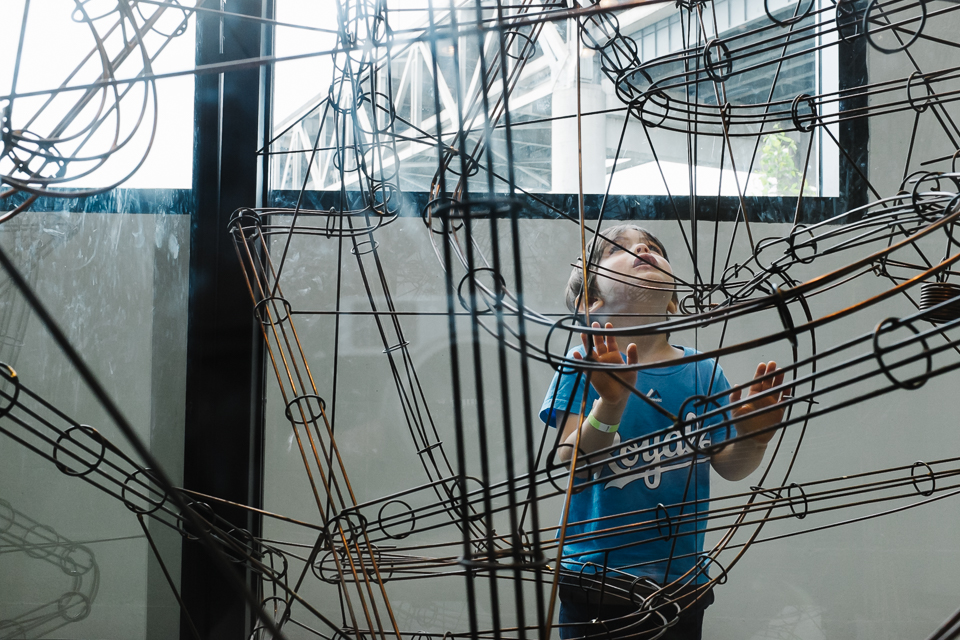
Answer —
(223, 431)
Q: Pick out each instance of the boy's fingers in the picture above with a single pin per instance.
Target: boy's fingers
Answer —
(633, 354)
(764, 370)
(771, 367)
(598, 344)
(577, 356)
(612, 340)
(757, 385)
(768, 369)
(778, 379)
(597, 338)
(735, 395)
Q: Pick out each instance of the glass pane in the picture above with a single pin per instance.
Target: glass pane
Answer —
(423, 387)
(385, 373)
(111, 269)
(77, 563)
(543, 101)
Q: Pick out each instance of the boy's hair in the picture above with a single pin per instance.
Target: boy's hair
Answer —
(595, 251)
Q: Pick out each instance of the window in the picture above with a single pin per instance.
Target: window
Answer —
(628, 159)
(104, 136)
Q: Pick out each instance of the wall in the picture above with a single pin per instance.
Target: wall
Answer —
(884, 578)
(116, 283)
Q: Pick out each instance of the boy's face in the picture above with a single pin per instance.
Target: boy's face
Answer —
(636, 280)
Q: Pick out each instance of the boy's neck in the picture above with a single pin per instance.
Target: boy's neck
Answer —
(650, 347)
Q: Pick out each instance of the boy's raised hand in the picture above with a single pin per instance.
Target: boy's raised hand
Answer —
(758, 399)
(605, 350)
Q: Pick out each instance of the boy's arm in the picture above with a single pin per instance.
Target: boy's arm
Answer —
(591, 439)
(738, 460)
(609, 408)
(761, 411)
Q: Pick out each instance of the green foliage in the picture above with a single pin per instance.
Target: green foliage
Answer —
(779, 175)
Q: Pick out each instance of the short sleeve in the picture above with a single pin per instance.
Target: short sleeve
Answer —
(564, 393)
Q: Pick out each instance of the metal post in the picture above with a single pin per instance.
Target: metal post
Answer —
(224, 427)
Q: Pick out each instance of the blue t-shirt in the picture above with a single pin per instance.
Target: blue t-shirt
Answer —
(656, 479)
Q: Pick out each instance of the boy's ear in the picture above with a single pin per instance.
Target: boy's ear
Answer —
(672, 306)
(594, 305)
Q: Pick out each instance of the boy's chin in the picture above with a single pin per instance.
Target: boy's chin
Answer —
(632, 305)
(647, 301)
(641, 314)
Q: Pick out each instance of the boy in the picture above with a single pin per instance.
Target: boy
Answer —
(638, 524)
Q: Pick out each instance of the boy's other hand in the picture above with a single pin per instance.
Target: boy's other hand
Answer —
(604, 349)
(748, 416)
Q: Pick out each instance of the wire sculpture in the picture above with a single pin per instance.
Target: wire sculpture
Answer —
(448, 524)
(76, 130)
